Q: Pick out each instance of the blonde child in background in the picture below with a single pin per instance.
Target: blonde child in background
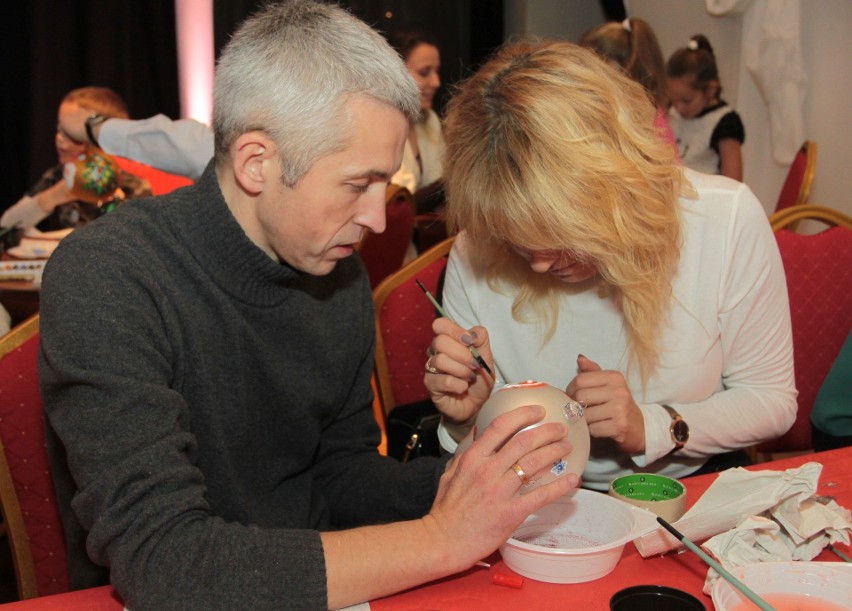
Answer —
(632, 45)
(708, 131)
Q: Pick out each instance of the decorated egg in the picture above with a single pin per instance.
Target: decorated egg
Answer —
(93, 177)
(559, 407)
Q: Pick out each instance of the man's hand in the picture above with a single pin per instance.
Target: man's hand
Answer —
(479, 505)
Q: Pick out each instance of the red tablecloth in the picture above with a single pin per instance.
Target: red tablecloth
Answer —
(474, 590)
(94, 599)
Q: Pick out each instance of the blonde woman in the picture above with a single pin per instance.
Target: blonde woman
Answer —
(590, 260)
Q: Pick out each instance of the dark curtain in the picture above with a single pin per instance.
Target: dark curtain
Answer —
(53, 46)
(15, 100)
(449, 21)
(467, 31)
(613, 10)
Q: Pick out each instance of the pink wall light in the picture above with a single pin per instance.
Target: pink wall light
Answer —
(196, 59)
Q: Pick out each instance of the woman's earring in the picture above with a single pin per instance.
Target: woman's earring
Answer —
(603, 288)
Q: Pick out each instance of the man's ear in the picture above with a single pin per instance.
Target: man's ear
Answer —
(255, 161)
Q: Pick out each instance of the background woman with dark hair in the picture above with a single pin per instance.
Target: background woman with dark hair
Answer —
(422, 162)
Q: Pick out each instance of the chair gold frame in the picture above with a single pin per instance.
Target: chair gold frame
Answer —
(809, 149)
(789, 218)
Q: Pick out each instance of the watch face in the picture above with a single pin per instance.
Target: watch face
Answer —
(680, 431)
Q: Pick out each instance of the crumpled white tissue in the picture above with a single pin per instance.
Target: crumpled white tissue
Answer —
(736, 494)
(788, 531)
(808, 528)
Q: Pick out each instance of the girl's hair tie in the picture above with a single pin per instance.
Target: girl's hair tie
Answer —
(626, 25)
(692, 45)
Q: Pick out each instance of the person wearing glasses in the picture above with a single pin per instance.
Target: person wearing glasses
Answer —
(52, 203)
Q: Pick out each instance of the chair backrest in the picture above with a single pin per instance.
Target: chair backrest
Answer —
(404, 326)
(818, 268)
(384, 253)
(797, 186)
(27, 496)
(790, 217)
(161, 182)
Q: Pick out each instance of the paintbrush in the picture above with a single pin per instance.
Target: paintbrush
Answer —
(840, 554)
(739, 585)
(443, 313)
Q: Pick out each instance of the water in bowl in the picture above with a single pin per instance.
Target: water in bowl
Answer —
(791, 602)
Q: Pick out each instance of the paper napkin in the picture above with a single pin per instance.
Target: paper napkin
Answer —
(735, 495)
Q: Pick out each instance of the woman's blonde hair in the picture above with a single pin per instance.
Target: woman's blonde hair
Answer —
(550, 148)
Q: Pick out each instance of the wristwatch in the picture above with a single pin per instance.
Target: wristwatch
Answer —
(679, 430)
(94, 119)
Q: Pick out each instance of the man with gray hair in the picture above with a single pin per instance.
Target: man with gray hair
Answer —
(210, 421)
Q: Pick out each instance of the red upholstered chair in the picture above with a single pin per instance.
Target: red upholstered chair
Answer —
(384, 253)
(797, 186)
(161, 182)
(819, 281)
(404, 326)
(27, 497)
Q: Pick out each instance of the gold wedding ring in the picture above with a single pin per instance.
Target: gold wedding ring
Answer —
(520, 472)
(429, 367)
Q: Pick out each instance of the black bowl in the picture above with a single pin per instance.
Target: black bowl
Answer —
(654, 598)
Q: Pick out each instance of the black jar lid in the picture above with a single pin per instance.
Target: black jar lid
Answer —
(654, 598)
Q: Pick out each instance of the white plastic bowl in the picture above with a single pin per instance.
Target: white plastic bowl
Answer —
(579, 537)
(823, 583)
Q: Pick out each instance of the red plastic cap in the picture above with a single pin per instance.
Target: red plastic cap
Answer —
(510, 581)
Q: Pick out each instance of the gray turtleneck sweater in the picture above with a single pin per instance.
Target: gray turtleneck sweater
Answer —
(209, 409)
